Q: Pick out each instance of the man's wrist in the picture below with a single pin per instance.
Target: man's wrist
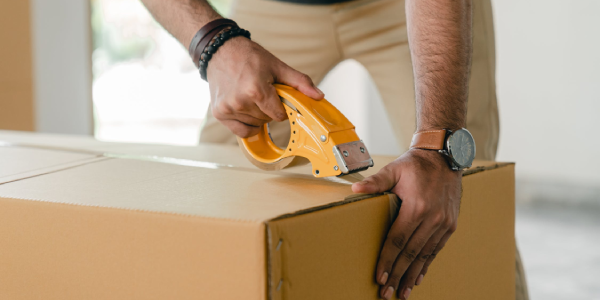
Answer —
(191, 29)
(432, 161)
(220, 40)
(204, 37)
(228, 50)
(457, 146)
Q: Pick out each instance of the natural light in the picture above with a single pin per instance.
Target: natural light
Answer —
(146, 89)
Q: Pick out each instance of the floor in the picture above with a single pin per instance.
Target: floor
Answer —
(560, 247)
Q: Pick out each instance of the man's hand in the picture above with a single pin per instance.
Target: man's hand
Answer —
(430, 194)
(241, 76)
(439, 35)
(241, 73)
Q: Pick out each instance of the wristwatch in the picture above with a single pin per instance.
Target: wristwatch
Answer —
(457, 146)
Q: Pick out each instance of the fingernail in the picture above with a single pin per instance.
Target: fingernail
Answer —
(388, 293)
(407, 293)
(383, 278)
(419, 279)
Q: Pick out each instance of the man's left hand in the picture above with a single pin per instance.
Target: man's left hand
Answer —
(430, 192)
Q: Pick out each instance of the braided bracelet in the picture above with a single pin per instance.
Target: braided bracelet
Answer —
(204, 36)
(217, 42)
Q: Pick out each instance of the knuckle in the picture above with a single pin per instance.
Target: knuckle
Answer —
(427, 254)
(423, 257)
(431, 249)
(215, 112)
(394, 280)
(421, 209)
(409, 254)
(420, 214)
(244, 132)
(398, 241)
(387, 264)
(432, 255)
(237, 105)
(254, 131)
(453, 227)
(373, 179)
(305, 78)
(254, 93)
(439, 219)
(222, 109)
(280, 114)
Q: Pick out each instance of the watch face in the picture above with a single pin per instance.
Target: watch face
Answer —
(461, 147)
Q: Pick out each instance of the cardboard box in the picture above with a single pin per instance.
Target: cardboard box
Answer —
(80, 222)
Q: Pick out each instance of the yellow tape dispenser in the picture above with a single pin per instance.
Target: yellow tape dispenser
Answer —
(319, 133)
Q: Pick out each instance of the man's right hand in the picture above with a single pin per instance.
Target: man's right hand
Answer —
(241, 76)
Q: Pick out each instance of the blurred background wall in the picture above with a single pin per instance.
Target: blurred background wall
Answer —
(16, 78)
(45, 71)
(549, 95)
(61, 39)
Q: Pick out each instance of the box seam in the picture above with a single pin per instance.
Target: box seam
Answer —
(67, 166)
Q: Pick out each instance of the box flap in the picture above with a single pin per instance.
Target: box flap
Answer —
(142, 185)
(204, 181)
(19, 162)
(216, 153)
(65, 141)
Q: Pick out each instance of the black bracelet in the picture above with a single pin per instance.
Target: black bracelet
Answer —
(214, 45)
(205, 35)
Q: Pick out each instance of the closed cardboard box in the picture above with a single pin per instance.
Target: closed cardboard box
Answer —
(81, 219)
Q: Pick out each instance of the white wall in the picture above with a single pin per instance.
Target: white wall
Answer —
(62, 66)
(548, 84)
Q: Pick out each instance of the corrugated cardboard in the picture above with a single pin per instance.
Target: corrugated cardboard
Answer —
(132, 225)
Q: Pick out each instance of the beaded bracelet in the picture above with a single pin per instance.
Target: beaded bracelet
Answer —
(205, 35)
(217, 42)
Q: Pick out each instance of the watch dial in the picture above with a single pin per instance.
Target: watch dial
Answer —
(461, 147)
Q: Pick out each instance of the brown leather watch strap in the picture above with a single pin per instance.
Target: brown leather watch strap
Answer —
(430, 139)
(200, 40)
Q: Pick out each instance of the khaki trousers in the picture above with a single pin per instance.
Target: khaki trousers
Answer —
(315, 38)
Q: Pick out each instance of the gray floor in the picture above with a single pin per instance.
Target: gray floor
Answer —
(560, 247)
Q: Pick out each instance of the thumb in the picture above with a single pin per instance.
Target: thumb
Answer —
(381, 182)
(299, 81)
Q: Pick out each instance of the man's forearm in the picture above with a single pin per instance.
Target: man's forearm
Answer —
(182, 18)
(439, 33)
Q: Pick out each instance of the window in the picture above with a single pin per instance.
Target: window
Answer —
(145, 88)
